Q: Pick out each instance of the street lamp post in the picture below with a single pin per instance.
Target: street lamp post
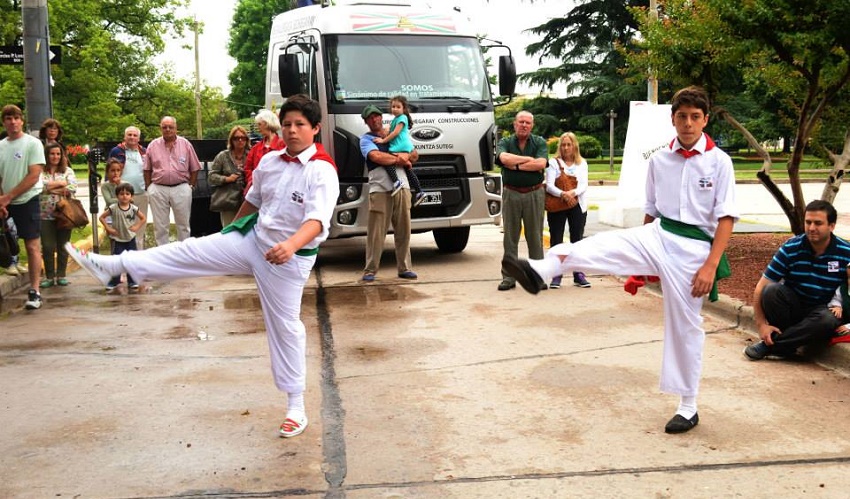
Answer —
(611, 116)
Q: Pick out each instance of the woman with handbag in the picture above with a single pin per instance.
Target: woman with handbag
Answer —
(58, 182)
(227, 176)
(566, 184)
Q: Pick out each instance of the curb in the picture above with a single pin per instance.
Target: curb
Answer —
(10, 284)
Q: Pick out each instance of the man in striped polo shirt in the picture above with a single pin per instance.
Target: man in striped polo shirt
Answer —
(795, 301)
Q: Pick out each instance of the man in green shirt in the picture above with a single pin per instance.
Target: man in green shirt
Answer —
(21, 163)
(523, 158)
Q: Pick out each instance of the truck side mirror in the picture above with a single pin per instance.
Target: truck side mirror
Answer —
(288, 75)
(507, 75)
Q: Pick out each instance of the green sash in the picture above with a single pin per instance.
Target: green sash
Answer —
(694, 232)
(244, 225)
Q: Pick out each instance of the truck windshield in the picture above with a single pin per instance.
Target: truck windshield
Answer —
(370, 67)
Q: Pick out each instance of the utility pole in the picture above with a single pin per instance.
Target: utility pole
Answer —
(199, 125)
(652, 84)
(611, 116)
(39, 98)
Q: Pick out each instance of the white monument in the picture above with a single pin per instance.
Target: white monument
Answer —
(650, 129)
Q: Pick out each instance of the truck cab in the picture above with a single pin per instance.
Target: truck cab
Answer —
(354, 54)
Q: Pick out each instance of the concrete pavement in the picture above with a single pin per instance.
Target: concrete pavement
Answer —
(442, 387)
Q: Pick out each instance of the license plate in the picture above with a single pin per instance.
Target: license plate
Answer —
(432, 198)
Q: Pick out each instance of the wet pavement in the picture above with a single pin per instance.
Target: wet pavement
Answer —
(440, 387)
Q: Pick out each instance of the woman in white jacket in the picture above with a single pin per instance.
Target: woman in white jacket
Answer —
(569, 161)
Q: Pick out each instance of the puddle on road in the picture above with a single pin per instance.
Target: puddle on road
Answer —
(181, 333)
(370, 295)
(242, 301)
(37, 345)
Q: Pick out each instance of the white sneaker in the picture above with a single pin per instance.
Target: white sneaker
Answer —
(88, 261)
(295, 424)
(22, 268)
(12, 270)
(33, 300)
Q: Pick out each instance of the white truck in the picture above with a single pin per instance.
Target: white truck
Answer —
(353, 54)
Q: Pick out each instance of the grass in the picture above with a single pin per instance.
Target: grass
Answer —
(746, 168)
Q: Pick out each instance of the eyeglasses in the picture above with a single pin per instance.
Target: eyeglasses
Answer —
(240, 138)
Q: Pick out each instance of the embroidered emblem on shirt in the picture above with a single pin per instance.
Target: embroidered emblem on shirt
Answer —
(19, 155)
(705, 183)
(297, 197)
(832, 266)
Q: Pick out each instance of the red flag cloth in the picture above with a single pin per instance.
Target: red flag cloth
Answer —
(635, 282)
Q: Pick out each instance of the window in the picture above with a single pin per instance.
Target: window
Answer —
(369, 67)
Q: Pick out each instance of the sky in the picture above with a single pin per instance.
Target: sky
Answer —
(503, 20)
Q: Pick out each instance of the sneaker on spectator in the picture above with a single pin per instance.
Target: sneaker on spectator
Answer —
(580, 280)
(397, 187)
(420, 196)
(12, 270)
(33, 300)
(556, 282)
(757, 351)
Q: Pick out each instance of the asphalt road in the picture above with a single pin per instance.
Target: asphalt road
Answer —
(442, 387)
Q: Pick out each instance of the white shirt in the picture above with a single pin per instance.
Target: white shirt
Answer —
(579, 171)
(698, 190)
(289, 194)
(133, 170)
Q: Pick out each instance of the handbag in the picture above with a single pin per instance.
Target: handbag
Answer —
(565, 183)
(8, 244)
(70, 214)
(226, 197)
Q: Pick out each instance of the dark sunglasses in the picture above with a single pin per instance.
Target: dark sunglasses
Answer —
(240, 138)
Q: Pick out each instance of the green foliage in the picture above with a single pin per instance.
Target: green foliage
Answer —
(106, 80)
(249, 41)
(791, 58)
(590, 147)
(584, 42)
(222, 131)
(552, 145)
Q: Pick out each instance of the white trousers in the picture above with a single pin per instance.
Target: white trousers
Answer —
(165, 199)
(280, 289)
(651, 250)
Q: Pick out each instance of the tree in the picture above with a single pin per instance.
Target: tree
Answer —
(249, 41)
(106, 80)
(793, 52)
(585, 42)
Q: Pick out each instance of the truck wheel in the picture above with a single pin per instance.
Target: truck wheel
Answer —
(451, 240)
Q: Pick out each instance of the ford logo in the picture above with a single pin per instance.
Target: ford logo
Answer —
(425, 134)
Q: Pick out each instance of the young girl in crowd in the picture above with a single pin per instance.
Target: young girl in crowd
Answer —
(400, 144)
(114, 169)
(59, 181)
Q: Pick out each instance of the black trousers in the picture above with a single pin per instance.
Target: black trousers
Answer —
(800, 324)
(558, 219)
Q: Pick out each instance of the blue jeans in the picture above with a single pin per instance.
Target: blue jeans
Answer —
(119, 247)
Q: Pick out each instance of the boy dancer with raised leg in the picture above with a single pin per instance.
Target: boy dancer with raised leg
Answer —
(285, 216)
(689, 213)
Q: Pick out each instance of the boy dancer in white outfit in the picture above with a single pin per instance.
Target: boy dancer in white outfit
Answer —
(291, 202)
(690, 210)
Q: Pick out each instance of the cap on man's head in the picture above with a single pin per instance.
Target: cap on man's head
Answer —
(369, 111)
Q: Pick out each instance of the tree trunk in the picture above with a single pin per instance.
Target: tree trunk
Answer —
(794, 219)
(839, 165)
